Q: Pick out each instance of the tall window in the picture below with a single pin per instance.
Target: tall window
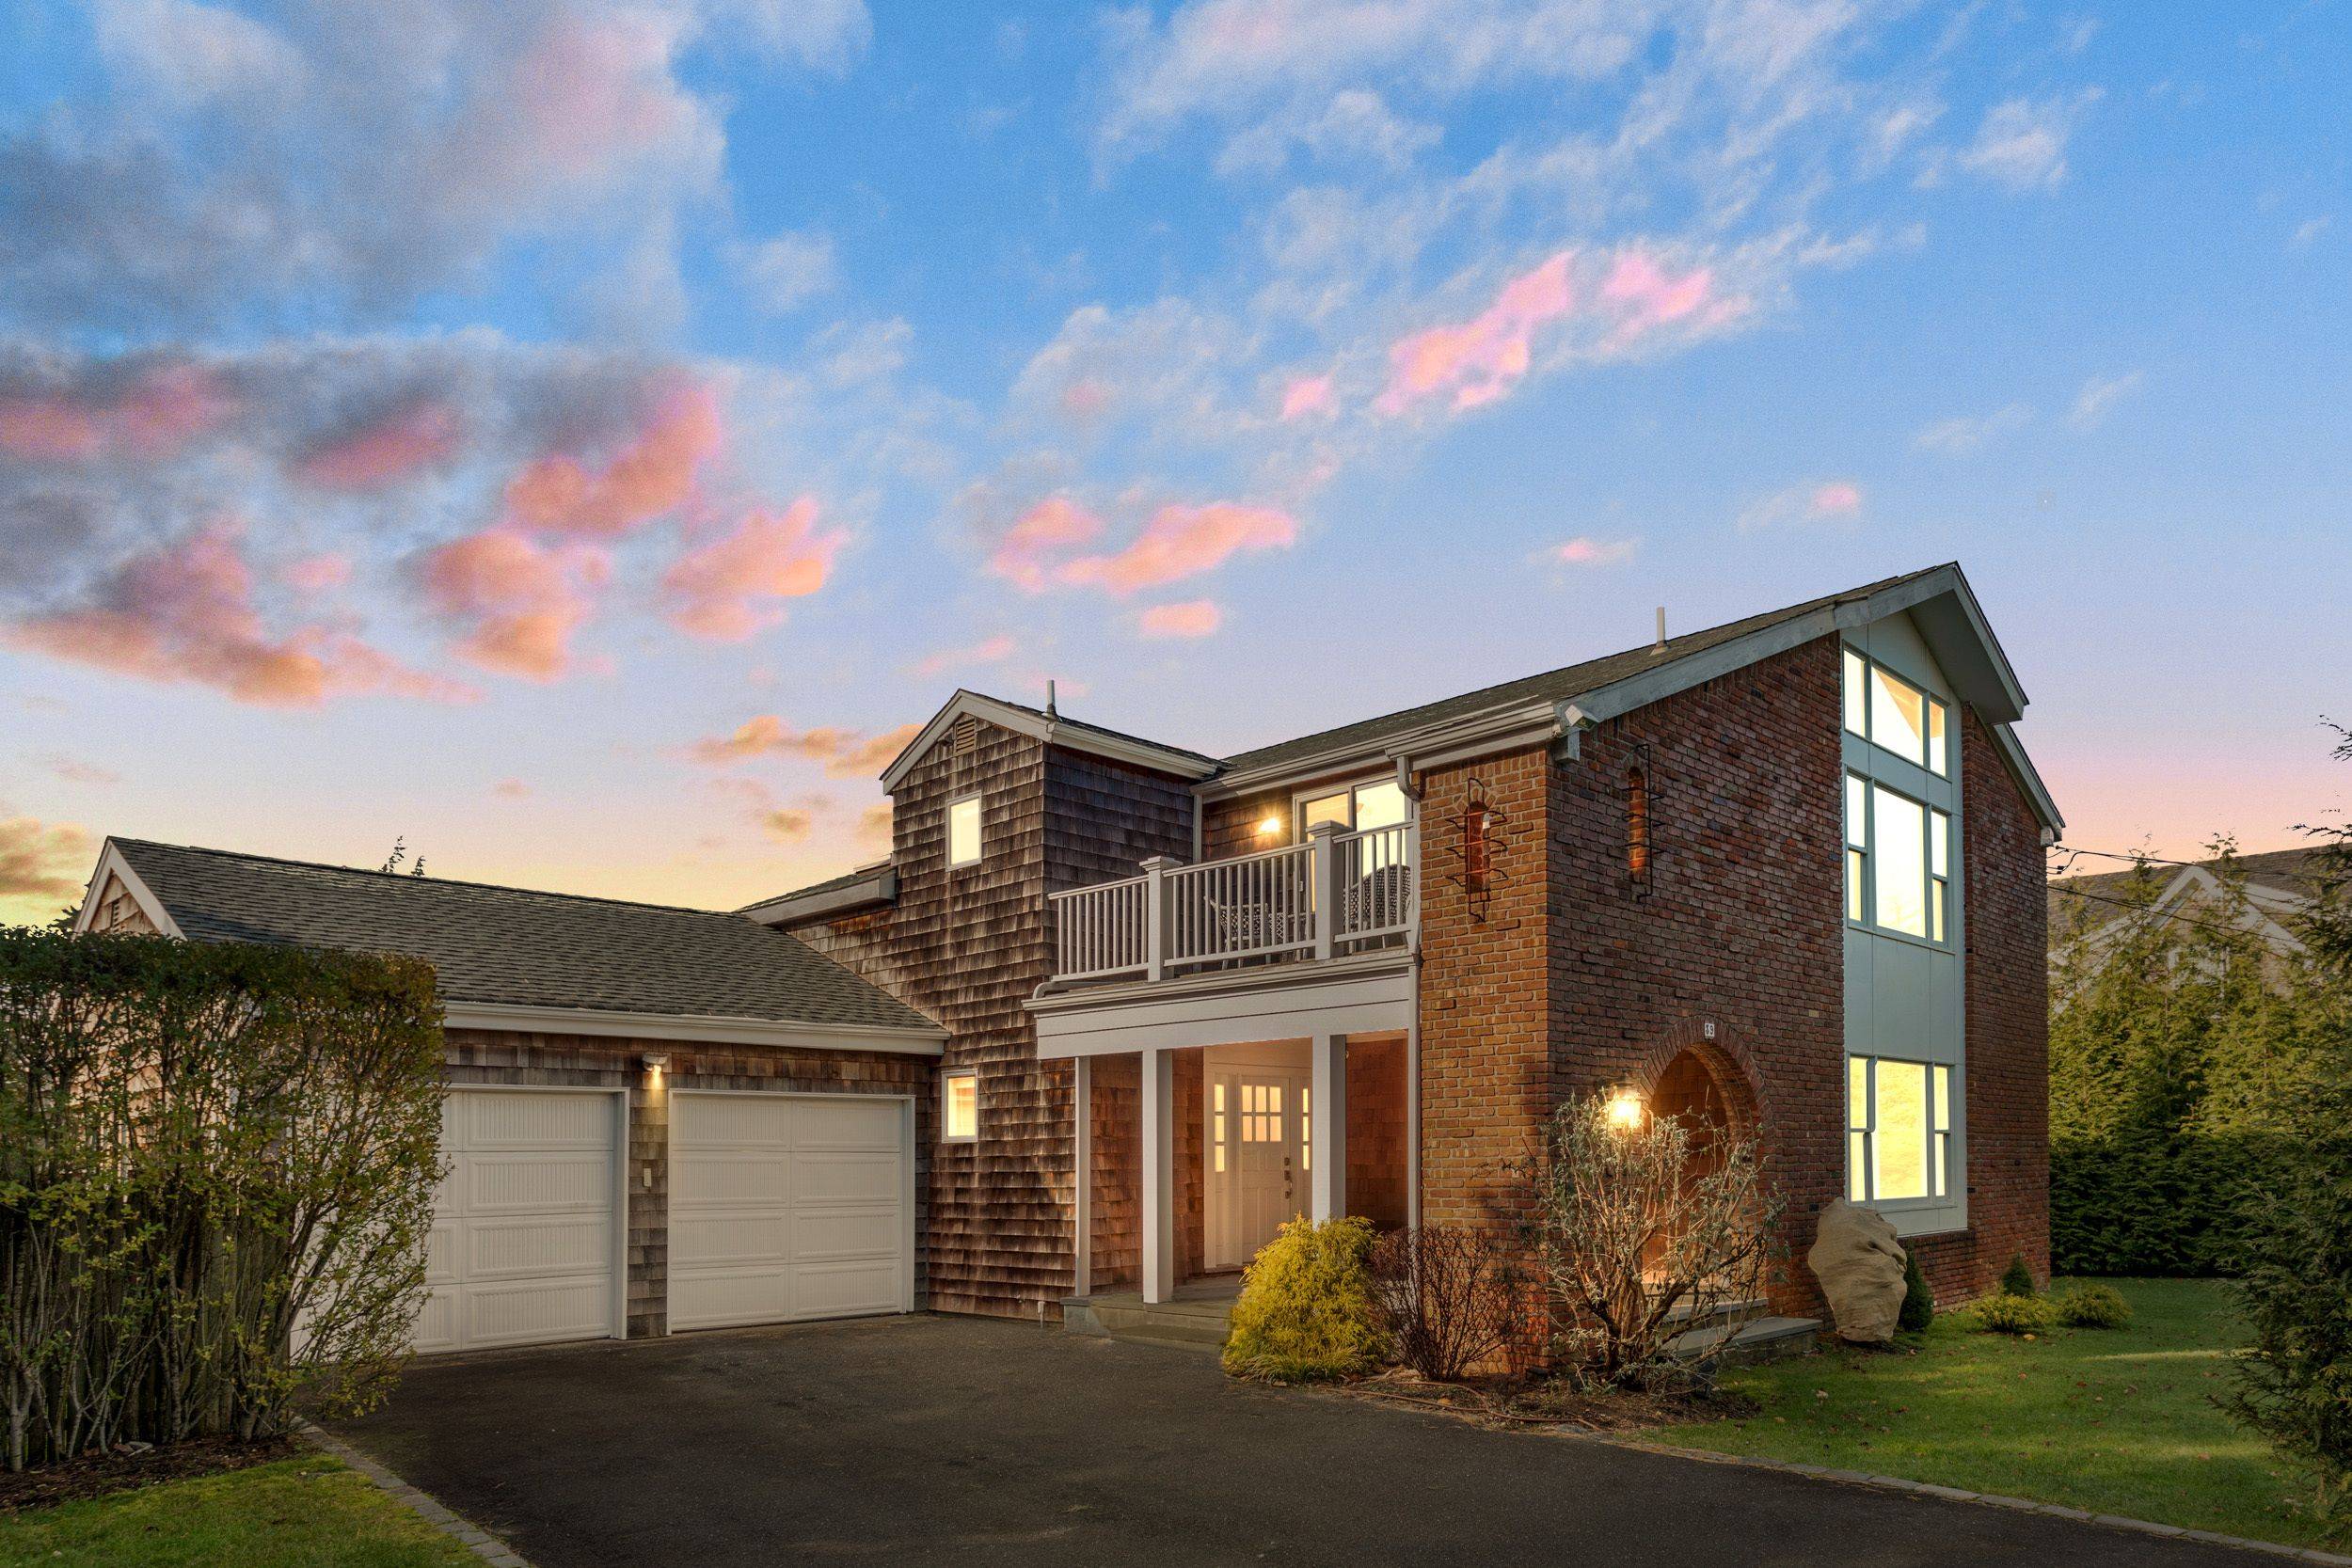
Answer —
(1637, 824)
(1896, 716)
(1899, 1130)
(963, 831)
(1898, 862)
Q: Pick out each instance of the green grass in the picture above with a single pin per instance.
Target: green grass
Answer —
(309, 1513)
(2112, 1420)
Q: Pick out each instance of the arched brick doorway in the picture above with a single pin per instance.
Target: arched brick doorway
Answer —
(1701, 1085)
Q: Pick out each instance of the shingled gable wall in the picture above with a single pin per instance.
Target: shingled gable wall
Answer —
(968, 947)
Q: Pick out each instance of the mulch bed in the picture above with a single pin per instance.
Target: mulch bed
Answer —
(1546, 1402)
(94, 1475)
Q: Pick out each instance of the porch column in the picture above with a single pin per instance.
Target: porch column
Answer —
(1159, 1183)
(1082, 1176)
(1326, 1127)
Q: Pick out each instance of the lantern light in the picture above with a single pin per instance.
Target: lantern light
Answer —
(1626, 1110)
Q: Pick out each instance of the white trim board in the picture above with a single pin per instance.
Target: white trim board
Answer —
(1183, 765)
(113, 863)
(516, 1018)
(1280, 1001)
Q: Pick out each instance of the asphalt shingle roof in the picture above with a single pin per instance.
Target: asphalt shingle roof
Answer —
(2086, 898)
(516, 945)
(1554, 686)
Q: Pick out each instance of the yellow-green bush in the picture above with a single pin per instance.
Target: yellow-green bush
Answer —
(2092, 1305)
(1306, 1310)
(2002, 1313)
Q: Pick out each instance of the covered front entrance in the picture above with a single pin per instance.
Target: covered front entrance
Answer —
(1256, 1140)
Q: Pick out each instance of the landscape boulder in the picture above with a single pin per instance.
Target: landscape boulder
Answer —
(1860, 1266)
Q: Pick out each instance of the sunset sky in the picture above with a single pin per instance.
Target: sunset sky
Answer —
(580, 438)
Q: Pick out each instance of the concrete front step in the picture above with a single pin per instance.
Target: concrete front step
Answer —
(1196, 1323)
(1748, 1343)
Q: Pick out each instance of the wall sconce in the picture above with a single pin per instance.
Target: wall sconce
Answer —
(1626, 1110)
(655, 1062)
(1269, 826)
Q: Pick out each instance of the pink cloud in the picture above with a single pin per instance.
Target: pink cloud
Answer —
(317, 574)
(1837, 498)
(1650, 297)
(1196, 618)
(517, 601)
(385, 450)
(185, 612)
(1585, 550)
(1053, 524)
(154, 416)
(992, 649)
(1181, 542)
(654, 475)
(1482, 358)
(715, 592)
(1305, 395)
(511, 789)
(1088, 398)
(844, 753)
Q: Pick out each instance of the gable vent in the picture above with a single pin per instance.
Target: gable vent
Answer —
(965, 736)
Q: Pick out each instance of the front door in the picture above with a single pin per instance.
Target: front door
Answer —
(1266, 1179)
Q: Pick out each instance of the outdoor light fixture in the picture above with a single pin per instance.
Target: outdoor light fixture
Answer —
(1624, 1109)
(655, 1062)
(1269, 826)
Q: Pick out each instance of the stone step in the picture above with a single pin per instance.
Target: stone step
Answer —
(1188, 1323)
(1746, 1344)
(1686, 1314)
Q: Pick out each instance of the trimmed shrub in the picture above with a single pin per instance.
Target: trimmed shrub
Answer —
(1306, 1312)
(2002, 1313)
(1447, 1299)
(2017, 1279)
(2092, 1305)
(1918, 1309)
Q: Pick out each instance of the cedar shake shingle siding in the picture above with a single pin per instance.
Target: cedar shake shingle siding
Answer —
(968, 947)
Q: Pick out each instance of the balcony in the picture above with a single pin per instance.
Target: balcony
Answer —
(1337, 894)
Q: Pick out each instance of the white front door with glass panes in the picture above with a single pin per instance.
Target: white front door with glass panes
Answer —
(1258, 1172)
(1905, 1112)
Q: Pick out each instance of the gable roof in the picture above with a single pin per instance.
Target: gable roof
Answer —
(1055, 730)
(517, 949)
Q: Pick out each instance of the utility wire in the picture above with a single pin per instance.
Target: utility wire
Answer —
(2149, 910)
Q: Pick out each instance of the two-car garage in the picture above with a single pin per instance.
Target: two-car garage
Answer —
(781, 1206)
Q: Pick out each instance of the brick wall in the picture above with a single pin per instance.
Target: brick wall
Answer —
(2007, 1033)
(1375, 1131)
(594, 1061)
(968, 948)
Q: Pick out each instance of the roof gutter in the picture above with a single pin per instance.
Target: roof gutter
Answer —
(880, 887)
(1514, 727)
(700, 1027)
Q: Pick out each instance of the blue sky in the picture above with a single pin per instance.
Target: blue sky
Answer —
(581, 437)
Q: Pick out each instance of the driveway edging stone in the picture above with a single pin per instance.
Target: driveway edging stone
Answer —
(480, 1542)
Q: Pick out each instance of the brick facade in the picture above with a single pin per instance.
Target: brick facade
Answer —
(479, 1056)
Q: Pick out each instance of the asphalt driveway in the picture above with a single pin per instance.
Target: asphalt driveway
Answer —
(919, 1440)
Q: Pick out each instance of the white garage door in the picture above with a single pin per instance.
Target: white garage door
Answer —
(786, 1207)
(522, 1242)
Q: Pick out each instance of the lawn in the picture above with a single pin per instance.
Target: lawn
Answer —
(307, 1512)
(2112, 1420)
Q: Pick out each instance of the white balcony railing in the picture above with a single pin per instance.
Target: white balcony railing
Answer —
(1338, 892)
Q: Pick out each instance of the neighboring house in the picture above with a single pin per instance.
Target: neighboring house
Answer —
(2089, 913)
(1785, 874)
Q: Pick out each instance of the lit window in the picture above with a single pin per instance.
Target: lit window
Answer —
(1857, 848)
(963, 831)
(1899, 1130)
(1637, 824)
(1939, 875)
(1896, 715)
(1217, 1124)
(959, 1106)
(1306, 1129)
(1363, 807)
(1898, 847)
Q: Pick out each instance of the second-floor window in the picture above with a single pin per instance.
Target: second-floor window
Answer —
(1379, 804)
(1898, 862)
(963, 831)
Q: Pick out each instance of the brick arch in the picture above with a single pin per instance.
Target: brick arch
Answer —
(1729, 1071)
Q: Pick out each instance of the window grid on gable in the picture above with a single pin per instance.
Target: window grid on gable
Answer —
(1897, 715)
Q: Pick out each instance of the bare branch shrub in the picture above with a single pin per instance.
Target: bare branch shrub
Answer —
(1450, 1298)
(1638, 1239)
